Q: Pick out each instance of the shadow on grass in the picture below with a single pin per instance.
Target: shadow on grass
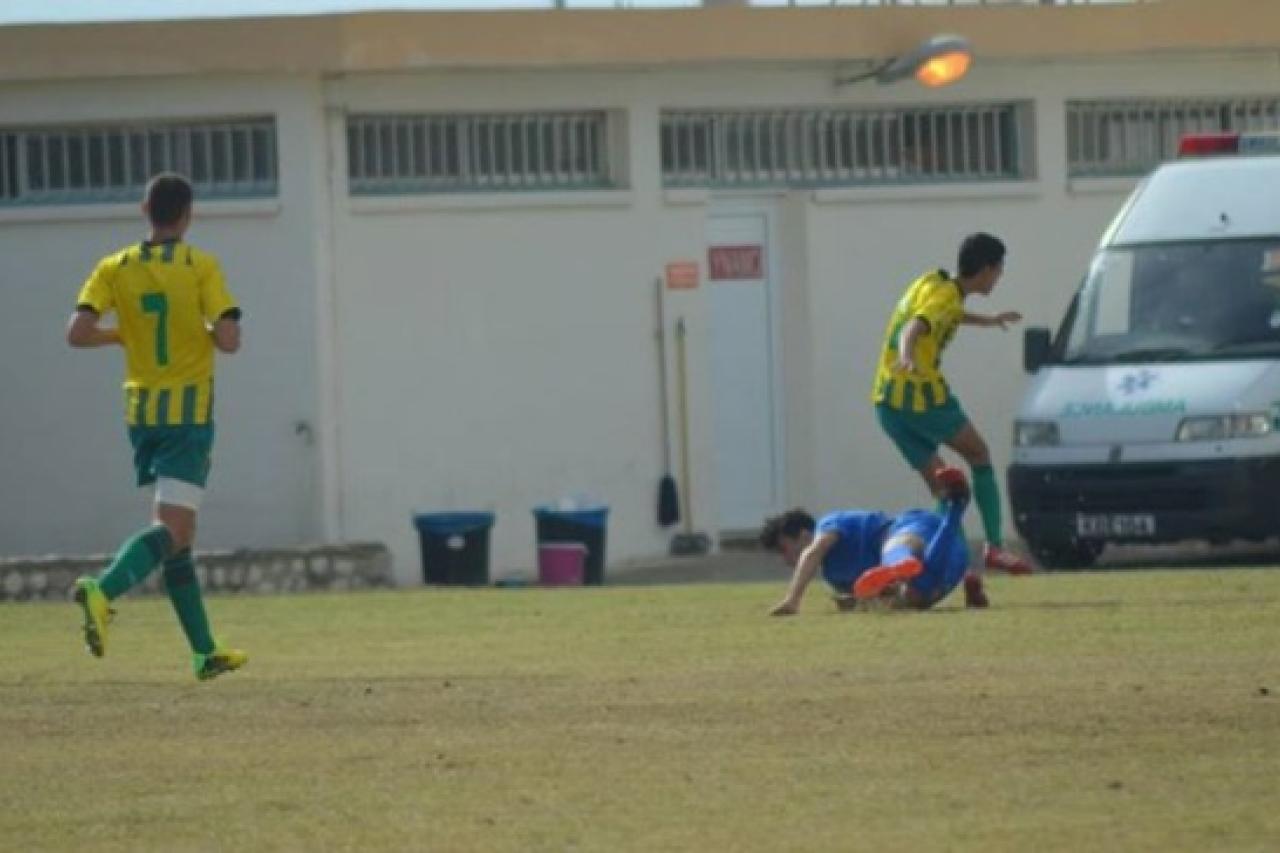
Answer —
(1115, 604)
(947, 607)
(443, 681)
(1107, 604)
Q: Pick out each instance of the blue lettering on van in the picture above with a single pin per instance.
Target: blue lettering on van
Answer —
(1133, 383)
(1106, 408)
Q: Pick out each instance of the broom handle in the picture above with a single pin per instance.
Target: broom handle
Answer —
(682, 384)
(662, 380)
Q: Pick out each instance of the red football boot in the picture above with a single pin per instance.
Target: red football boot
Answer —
(974, 595)
(954, 485)
(1005, 561)
(872, 582)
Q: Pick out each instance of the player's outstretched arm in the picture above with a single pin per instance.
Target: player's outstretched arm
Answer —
(1004, 319)
(806, 567)
(84, 332)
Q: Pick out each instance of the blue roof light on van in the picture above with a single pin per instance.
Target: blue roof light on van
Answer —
(1260, 143)
(1216, 144)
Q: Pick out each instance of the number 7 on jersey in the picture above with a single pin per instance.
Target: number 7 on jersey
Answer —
(158, 304)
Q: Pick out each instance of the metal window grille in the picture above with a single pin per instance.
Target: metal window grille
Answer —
(847, 147)
(487, 152)
(1131, 136)
(107, 163)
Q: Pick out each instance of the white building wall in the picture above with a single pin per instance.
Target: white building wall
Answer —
(65, 461)
(496, 352)
(520, 333)
(499, 352)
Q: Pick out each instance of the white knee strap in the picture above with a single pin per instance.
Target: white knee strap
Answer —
(177, 493)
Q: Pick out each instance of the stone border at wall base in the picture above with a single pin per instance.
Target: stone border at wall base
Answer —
(356, 565)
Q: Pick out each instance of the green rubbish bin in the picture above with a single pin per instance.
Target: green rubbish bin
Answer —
(586, 526)
(455, 547)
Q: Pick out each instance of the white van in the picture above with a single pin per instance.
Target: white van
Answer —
(1153, 414)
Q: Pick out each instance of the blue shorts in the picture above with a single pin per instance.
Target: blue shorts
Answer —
(942, 574)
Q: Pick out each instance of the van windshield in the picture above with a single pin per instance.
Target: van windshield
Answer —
(1176, 302)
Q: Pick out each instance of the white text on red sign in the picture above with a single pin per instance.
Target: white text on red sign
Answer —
(735, 263)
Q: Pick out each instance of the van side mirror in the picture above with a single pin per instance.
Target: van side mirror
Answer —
(1037, 349)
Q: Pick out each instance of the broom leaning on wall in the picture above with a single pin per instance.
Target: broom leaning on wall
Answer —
(668, 494)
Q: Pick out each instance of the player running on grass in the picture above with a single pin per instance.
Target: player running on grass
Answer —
(917, 408)
(173, 310)
(913, 560)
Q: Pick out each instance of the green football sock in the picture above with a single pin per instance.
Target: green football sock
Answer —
(184, 591)
(986, 494)
(137, 558)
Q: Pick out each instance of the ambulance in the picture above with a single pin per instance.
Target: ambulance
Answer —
(1152, 413)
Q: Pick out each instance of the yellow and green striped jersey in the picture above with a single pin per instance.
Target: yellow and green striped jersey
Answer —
(935, 298)
(165, 297)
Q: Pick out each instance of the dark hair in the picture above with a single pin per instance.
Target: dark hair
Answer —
(168, 198)
(979, 251)
(789, 524)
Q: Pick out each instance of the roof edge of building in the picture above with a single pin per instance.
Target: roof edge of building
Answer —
(601, 39)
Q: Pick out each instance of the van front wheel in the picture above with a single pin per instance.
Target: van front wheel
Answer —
(1076, 554)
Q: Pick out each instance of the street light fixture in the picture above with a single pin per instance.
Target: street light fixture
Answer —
(937, 61)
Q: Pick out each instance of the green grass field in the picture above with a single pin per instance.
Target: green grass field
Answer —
(1123, 711)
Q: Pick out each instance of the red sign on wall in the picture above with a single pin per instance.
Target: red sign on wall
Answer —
(682, 275)
(735, 263)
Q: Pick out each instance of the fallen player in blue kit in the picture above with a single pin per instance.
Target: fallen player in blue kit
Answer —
(912, 560)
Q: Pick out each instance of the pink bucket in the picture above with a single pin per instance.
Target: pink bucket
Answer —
(561, 563)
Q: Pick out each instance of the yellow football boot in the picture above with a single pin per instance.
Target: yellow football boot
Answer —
(97, 613)
(218, 661)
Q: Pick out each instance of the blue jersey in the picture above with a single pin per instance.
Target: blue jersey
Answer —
(858, 548)
(862, 534)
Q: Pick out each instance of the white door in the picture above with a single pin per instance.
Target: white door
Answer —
(740, 266)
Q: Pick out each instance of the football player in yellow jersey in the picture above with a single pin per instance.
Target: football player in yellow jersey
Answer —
(916, 406)
(172, 312)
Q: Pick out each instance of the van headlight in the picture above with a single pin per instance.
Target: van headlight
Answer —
(1035, 434)
(1222, 427)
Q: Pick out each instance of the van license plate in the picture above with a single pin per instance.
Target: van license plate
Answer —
(1102, 526)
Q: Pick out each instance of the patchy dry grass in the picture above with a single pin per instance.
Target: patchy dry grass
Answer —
(1126, 711)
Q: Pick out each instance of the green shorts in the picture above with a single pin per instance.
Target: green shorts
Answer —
(179, 452)
(918, 435)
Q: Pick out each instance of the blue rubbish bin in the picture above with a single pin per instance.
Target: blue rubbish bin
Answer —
(455, 547)
(576, 525)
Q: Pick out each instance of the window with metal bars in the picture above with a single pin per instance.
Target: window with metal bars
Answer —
(486, 152)
(111, 163)
(845, 147)
(1126, 137)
